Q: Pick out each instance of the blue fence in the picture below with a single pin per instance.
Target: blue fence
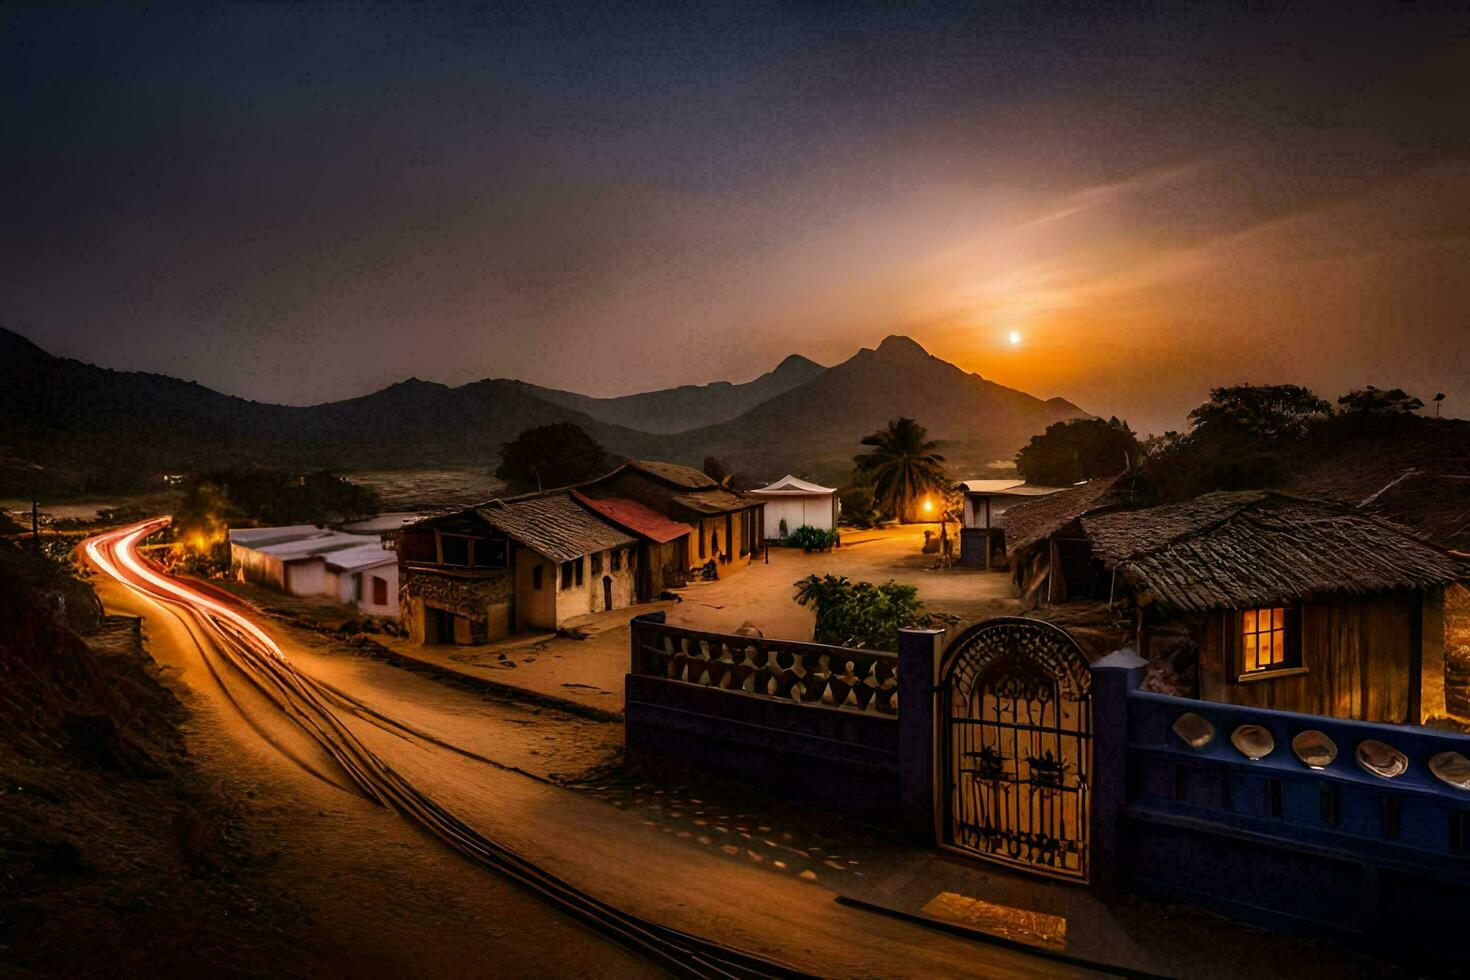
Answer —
(1334, 850)
(815, 723)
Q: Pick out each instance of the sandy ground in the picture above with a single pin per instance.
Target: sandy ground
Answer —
(764, 593)
(378, 898)
(590, 671)
(711, 857)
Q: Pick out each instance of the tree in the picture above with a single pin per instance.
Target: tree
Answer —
(902, 466)
(860, 614)
(859, 508)
(1259, 411)
(1437, 400)
(554, 455)
(1078, 449)
(1379, 401)
(200, 526)
(270, 497)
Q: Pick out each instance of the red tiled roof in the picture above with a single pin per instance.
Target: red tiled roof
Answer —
(638, 518)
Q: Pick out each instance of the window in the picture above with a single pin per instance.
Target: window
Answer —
(357, 587)
(536, 576)
(566, 575)
(579, 564)
(380, 591)
(597, 564)
(701, 544)
(1268, 641)
(454, 549)
(617, 560)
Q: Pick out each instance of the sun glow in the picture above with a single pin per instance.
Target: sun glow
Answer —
(1014, 337)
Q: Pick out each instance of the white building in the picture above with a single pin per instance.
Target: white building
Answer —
(797, 502)
(982, 539)
(307, 560)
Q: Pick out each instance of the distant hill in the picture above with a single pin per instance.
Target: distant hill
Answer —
(106, 430)
(815, 428)
(688, 406)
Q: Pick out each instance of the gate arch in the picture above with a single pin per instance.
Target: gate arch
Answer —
(1017, 747)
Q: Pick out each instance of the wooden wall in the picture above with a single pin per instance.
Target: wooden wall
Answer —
(1362, 658)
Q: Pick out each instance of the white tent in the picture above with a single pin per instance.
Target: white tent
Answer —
(798, 502)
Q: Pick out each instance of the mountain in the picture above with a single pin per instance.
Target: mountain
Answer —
(816, 427)
(105, 430)
(102, 429)
(688, 406)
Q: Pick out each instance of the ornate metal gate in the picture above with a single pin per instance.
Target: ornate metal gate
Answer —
(1018, 747)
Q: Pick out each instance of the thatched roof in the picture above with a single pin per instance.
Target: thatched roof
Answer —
(1248, 548)
(1035, 520)
(1436, 506)
(673, 473)
(553, 525)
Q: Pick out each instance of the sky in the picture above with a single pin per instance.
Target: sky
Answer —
(304, 204)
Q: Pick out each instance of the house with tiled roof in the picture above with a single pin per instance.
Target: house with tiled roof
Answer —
(727, 524)
(520, 564)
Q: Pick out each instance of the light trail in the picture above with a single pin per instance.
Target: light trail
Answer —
(307, 703)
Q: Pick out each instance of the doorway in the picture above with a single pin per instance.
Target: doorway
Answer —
(607, 592)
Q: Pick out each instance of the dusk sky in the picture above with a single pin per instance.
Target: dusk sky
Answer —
(303, 205)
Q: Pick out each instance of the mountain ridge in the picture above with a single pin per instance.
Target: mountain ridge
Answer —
(105, 426)
(669, 410)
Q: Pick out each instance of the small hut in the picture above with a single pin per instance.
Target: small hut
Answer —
(1284, 602)
(982, 538)
(795, 502)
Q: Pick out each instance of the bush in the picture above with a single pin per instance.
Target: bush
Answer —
(860, 614)
(859, 509)
(811, 538)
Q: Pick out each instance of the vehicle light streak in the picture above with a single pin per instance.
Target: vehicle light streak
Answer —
(307, 702)
(123, 543)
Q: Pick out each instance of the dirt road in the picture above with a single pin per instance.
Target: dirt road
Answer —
(612, 855)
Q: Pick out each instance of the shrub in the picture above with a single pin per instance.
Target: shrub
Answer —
(860, 614)
(812, 538)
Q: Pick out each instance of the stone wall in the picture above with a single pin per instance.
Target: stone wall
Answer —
(484, 601)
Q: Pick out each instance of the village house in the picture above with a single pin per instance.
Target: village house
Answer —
(307, 560)
(1050, 558)
(663, 543)
(727, 525)
(982, 536)
(1258, 598)
(792, 502)
(515, 565)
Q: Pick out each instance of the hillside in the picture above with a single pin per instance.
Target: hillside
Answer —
(105, 430)
(113, 428)
(688, 406)
(815, 427)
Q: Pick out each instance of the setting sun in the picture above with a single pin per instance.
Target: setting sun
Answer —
(1014, 337)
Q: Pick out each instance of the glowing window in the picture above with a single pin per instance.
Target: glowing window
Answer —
(1267, 640)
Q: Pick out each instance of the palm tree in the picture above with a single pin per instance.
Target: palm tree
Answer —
(902, 466)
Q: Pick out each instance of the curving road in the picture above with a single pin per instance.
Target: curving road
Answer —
(311, 706)
(535, 833)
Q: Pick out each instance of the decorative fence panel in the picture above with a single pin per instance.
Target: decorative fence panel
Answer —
(1351, 829)
(787, 670)
(815, 723)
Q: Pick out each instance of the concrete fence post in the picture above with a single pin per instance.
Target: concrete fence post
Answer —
(918, 672)
(635, 652)
(1113, 678)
